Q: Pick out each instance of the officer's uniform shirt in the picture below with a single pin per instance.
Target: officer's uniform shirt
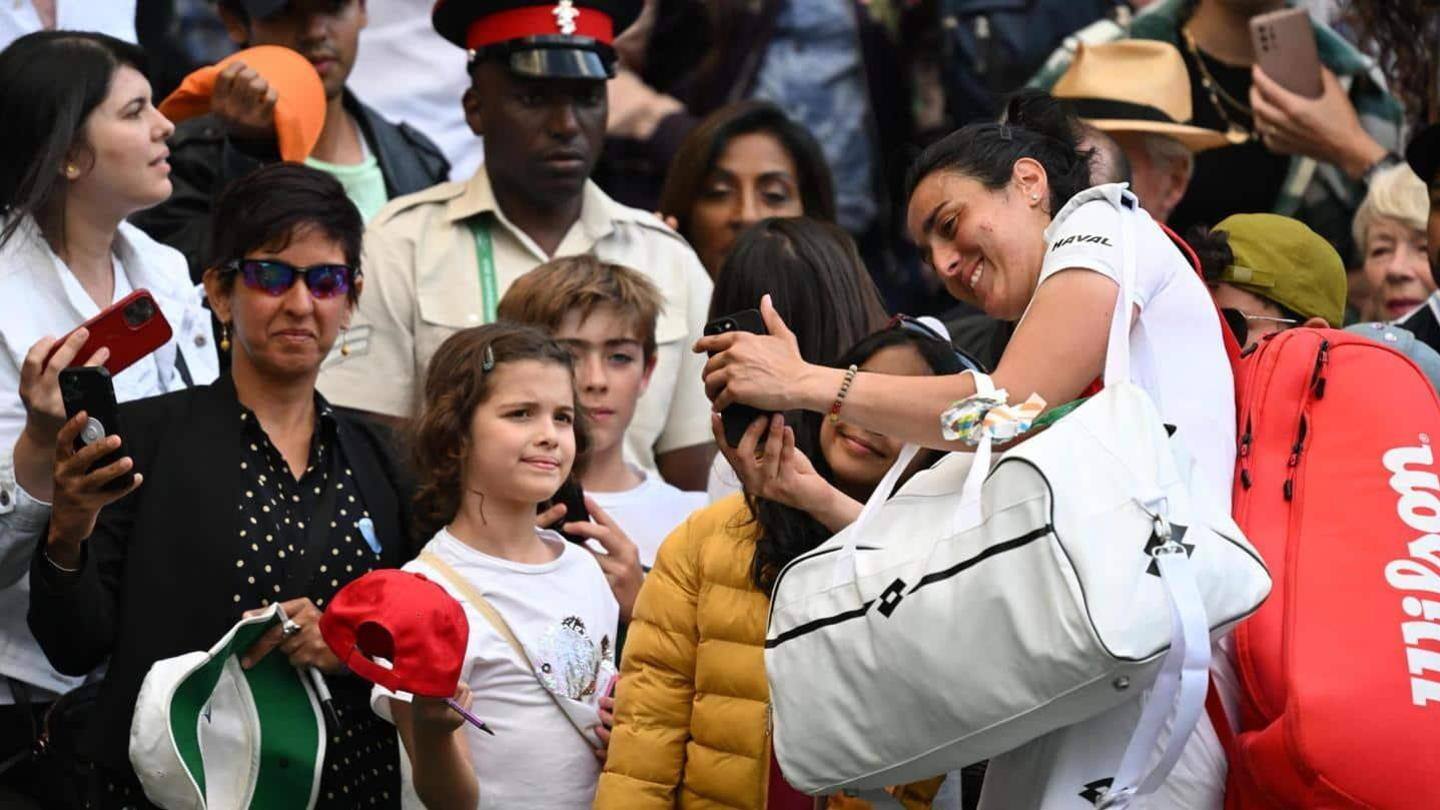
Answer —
(422, 284)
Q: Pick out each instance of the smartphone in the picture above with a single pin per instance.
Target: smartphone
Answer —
(573, 497)
(91, 389)
(738, 418)
(1284, 44)
(130, 328)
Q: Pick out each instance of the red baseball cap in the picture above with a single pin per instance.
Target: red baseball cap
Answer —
(405, 619)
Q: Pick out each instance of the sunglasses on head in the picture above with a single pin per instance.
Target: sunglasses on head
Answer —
(274, 277)
(915, 326)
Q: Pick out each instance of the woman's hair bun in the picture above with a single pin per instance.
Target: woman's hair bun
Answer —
(1042, 113)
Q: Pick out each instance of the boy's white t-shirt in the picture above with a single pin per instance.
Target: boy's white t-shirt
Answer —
(649, 512)
(1177, 356)
(565, 614)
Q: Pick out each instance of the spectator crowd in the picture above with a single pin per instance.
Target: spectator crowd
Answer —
(463, 288)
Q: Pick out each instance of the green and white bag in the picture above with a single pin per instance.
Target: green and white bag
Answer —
(209, 735)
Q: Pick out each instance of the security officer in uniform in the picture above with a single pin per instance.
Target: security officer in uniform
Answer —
(439, 260)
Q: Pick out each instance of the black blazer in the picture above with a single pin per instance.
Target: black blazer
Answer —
(150, 581)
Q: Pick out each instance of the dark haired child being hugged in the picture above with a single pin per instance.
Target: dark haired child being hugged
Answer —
(498, 434)
(692, 707)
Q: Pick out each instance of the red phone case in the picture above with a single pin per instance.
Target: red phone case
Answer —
(119, 329)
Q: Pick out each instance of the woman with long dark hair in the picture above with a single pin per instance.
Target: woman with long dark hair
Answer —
(1005, 215)
(692, 708)
(84, 148)
(812, 273)
(744, 163)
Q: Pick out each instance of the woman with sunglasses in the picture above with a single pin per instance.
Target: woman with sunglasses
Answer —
(249, 491)
(84, 148)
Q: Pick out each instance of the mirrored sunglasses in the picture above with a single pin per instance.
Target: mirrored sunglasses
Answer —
(274, 277)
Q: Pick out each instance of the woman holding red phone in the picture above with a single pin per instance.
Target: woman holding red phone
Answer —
(84, 149)
(255, 492)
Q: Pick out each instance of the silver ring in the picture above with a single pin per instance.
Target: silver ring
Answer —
(289, 628)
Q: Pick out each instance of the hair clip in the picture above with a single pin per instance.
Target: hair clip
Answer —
(1005, 133)
(487, 362)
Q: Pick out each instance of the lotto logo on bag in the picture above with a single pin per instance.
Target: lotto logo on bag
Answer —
(1417, 576)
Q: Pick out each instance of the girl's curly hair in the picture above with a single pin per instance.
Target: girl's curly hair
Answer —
(456, 383)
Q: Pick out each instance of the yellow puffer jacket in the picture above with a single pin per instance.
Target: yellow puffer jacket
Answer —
(691, 710)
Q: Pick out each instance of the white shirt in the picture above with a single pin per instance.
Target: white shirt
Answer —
(399, 44)
(1176, 351)
(566, 616)
(1177, 355)
(649, 512)
(113, 17)
(39, 296)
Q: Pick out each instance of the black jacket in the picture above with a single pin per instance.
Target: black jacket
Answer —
(149, 585)
(203, 161)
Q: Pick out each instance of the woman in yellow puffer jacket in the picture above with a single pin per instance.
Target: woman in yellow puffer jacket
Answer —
(692, 708)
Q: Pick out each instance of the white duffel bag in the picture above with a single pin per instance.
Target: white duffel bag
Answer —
(972, 613)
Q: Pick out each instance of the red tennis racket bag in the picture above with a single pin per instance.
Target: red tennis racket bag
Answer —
(1338, 487)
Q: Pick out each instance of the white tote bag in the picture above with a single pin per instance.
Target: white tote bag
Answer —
(980, 608)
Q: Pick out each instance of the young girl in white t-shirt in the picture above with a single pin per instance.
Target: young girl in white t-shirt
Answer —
(497, 435)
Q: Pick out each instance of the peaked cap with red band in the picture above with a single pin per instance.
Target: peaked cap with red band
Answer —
(566, 39)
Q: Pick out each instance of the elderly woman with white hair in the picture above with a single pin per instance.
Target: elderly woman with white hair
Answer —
(1389, 231)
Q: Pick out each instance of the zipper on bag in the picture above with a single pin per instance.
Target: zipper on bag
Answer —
(1314, 391)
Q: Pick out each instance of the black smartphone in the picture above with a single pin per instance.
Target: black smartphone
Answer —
(91, 389)
(573, 497)
(738, 418)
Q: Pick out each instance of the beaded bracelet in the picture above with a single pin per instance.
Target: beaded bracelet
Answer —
(844, 389)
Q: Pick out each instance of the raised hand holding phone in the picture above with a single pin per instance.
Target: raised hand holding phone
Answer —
(620, 560)
(737, 418)
(128, 330)
(81, 489)
(1300, 107)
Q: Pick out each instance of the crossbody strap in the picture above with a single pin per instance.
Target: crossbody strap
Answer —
(481, 604)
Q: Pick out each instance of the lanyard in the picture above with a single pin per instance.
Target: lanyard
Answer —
(485, 258)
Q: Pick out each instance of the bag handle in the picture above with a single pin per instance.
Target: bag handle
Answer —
(1181, 684)
(1185, 671)
(481, 604)
(1117, 347)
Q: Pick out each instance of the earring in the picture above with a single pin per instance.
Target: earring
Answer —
(1034, 198)
(72, 171)
(224, 337)
(344, 342)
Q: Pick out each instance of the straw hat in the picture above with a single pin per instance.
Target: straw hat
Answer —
(1135, 85)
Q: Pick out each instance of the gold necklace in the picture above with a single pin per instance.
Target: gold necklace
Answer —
(1235, 132)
